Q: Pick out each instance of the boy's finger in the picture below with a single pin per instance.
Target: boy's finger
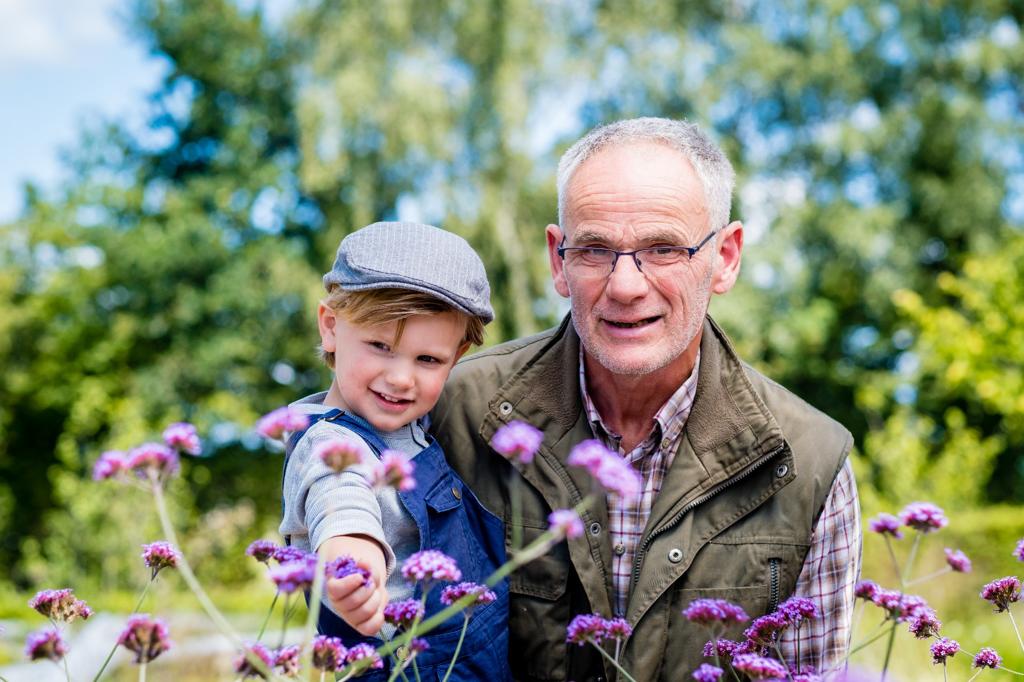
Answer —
(343, 588)
(361, 607)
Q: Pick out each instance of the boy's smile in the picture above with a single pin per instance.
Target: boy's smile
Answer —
(388, 384)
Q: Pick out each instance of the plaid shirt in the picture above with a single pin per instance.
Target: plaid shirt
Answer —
(830, 569)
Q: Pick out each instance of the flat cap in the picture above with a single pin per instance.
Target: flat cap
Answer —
(414, 256)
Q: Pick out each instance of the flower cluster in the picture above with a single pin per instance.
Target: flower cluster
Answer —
(338, 454)
(886, 524)
(1002, 592)
(287, 553)
(364, 652)
(281, 421)
(262, 550)
(45, 645)
(1018, 552)
(286, 660)
(430, 564)
(593, 629)
(293, 576)
(987, 658)
(145, 637)
(60, 606)
(517, 441)
(759, 668)
(613, 472)
(393, 470)
(328, 653)
(944, 648)
(160, 555)
(183, 438)
(710, 612)
(565, 523)
(245, 664)
(924, 517)
(345, 566)
(153, 459)
(111, 464)
(957, 560)
(707, 673)
(454, 593)
(402, 614)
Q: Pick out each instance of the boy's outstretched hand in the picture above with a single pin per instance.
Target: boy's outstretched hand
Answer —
(359, 606)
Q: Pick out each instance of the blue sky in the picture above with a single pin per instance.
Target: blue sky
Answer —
(62, 65)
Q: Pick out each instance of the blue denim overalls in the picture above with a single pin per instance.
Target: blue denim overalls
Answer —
(452, 520)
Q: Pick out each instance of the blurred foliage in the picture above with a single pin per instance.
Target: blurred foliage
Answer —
(175, 276)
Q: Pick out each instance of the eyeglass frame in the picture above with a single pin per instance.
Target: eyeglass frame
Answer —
(691, 251)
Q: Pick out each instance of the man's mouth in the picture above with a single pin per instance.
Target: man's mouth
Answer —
(632, 325)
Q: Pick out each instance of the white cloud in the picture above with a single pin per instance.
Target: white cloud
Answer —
(54, 32)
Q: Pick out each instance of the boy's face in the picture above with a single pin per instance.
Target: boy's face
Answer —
(390, 385)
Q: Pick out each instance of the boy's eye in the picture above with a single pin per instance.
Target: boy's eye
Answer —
(379, 345)
(428, 358)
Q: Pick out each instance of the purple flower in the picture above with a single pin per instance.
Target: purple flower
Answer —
(402, 614)
(183, 438)
(417, 645)
(707, 673)
(565, 523)
(1002, 592)
(345, 566)
(393, 470)
(759, 667)
(901, 607)
(610, 470)
(807, 676)
(1019, 551)
(585, 628)
(517, 441)
(328, 653)
(294, 575)
(286, 660)
(60, 605)
(454, 593)
(923, 516)
(283, 555)
(987, 658)
(958, 561)
(262, 550)
(110, 464)
(708, 612)
(282, 420)
(796, 609)
(159, 555)
(45, 645)
(338, 454)
(145, 637)
(430, 564)
(361, 652)
(866, 589)
(886, 524)
(764, 630)
(943, 649)
(153, 458)
(723, 649)
(246, 668)
(617, 628)
(925, 625)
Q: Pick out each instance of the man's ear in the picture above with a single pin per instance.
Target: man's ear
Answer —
(326, 320)
(727, 258)
(554, 236)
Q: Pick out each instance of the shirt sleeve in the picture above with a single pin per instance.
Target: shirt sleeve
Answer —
(322, 504)
(828, 577)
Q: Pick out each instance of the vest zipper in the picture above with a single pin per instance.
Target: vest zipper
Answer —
(773, 584)
(638, 558)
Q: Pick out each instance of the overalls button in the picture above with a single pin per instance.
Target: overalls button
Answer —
(781, 470)
(457, 493)
(595, 528)
(402, 653)
(505, 408)
(675, 555)
(620, 549)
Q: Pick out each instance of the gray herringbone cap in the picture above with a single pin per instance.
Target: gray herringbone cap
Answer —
(414, 256)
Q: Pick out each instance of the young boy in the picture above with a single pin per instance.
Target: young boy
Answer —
(404, 302)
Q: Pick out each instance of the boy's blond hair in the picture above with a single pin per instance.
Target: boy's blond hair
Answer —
(380, 306)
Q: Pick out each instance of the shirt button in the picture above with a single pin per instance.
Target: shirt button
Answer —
(665, 443)
(595, 528)
(457, 493)
(620, 549)
(675, 555)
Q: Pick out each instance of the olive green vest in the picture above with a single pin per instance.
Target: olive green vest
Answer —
(733, 519)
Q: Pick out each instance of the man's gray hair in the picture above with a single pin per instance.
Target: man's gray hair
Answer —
(710, 163)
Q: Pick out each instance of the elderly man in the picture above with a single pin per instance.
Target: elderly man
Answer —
(748, 495)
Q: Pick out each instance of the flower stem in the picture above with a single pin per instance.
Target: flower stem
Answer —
(895, 563)
(973, 676)
(142, 672)
(138, 605)
(888, 650)
(286, 614)
(67, 673)
(323, 675)
(924, 578)
(316, 592)
(782, 660)
(458, 647)
(515, 493)
(1015, 629)
(622, 671)
(193, 583)
(910, 560)
(273, 603)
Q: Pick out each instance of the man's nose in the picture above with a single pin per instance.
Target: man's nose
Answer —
(626, 281)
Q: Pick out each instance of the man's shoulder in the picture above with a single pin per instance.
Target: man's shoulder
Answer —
(501, 361)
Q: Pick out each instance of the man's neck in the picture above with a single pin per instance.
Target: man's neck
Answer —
(628, 403)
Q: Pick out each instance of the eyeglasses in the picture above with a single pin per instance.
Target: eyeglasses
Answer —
(598, 262)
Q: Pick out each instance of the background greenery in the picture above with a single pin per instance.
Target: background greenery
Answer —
(881, 178)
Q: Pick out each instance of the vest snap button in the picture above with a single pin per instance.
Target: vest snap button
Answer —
(781, 470)
(620, 549)
(505, 408)
(595, 528)
(675, 555)
(457, 493)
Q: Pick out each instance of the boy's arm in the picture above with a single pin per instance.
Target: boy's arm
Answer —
(360, 606)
